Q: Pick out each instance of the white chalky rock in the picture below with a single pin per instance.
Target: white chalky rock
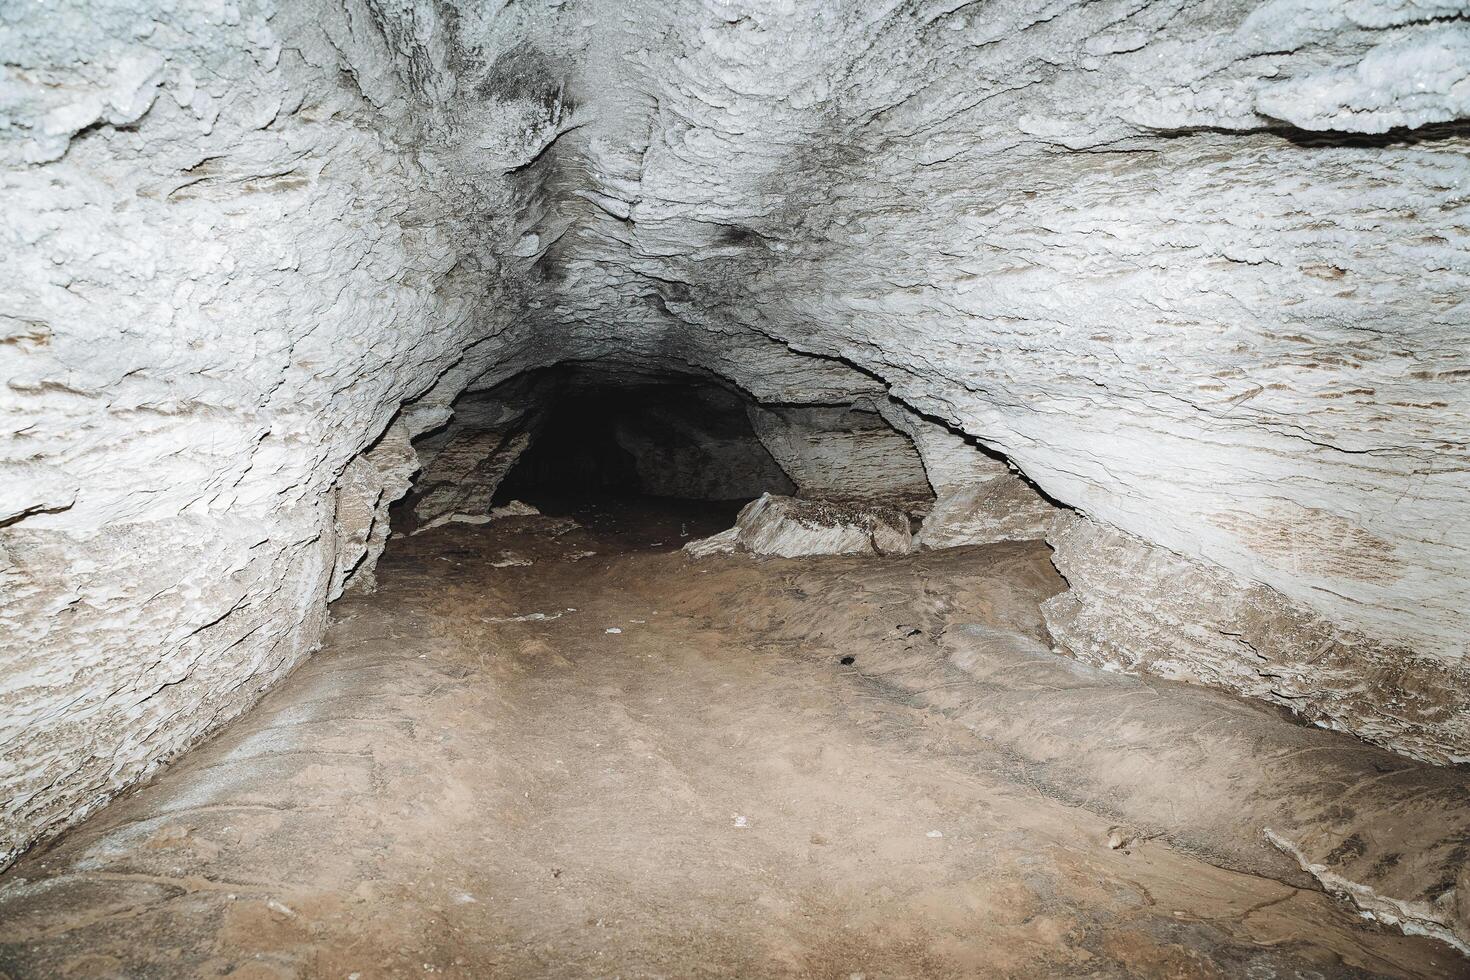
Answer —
(1182, 265)
(1000, 509)
(724, 543)
(792, 528)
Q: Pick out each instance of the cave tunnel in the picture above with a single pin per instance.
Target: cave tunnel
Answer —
(741, 489)
(672, 437)
(582, 434)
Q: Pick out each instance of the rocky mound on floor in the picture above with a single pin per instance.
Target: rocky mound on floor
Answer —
(791, 528)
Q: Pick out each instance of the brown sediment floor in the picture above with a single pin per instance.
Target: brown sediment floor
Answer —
(477, 777)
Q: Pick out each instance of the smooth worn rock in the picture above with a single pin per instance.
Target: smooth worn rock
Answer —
(1176, 768)
(444, 787)
(727, 542)
(1376, 830)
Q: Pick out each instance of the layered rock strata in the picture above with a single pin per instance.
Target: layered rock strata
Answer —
(842, 452)
(1003, 508)
(1139, 608)
(237, 238)
(1197, 270)
(789, 527)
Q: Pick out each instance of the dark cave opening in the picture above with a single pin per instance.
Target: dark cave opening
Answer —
(573, 434)
(666, 438)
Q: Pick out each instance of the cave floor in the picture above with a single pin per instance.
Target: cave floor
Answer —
(478, 776)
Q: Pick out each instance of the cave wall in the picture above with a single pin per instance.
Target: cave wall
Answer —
(842, 451)
(1197, 269)
(463, 461)
(583, 430)
(237, 237)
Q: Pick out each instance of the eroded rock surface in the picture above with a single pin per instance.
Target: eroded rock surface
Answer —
(1223, 778)
(1386, 835)
(369, 484)
(1004, 508)
(237, 238)
(671, 795)
(1197, 270)
(1137, 607)
(465, 461)
(842, 453)
(695, 444)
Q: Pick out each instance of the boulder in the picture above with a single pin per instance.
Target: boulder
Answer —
(794, 528)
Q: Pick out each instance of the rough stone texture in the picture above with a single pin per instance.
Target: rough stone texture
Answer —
(1173, 260)
(1001, 509)
(1141, 608)
(237, 237)
(1378, 831)
(952, 462)
(977, 499)
(465, 459)
(369, 484)
(1198, 269)
(793, 528)
(400, 806)
(841, 452)
(466, 474)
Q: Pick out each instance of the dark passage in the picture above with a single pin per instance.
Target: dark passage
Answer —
(569, 436)
(576, 449)
(673, 439)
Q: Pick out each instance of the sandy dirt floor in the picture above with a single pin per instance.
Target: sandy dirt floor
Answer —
(552, 751)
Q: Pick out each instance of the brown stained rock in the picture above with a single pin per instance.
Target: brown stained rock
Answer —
(473, 780)
(1197, 270)
(463, 477)
(371, 482)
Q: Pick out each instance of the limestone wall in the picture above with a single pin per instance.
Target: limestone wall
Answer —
(1199, 270)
